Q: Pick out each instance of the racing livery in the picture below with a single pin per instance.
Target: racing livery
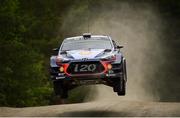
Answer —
(88, 59)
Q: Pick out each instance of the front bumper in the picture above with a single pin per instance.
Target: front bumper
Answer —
(102, 76)
(115, 72)
(85, 77)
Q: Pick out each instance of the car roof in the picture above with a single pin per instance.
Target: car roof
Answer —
(81, 37)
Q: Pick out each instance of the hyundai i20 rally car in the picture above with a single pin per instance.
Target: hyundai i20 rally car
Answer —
(88, 59)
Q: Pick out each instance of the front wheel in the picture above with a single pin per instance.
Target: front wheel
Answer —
(60, 89)
(122, 88)
(120, 82)
(119, 86)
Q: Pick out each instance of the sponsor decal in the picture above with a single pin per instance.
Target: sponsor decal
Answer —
(85, 53)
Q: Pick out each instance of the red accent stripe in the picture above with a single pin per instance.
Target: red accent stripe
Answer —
(104, 63)
(65, 69)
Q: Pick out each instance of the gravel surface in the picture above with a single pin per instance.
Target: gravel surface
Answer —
(100, 102)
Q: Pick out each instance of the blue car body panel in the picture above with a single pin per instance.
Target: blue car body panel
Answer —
(88, 55)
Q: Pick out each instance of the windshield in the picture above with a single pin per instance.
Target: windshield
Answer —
(100, 43)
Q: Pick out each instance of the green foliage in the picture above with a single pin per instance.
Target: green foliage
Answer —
(21, 76)
(27, 32)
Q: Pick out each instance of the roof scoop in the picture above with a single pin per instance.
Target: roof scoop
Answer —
(86, 35)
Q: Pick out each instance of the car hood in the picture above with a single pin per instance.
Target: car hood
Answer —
(89, 54)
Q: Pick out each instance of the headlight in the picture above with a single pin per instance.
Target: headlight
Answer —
(111, 58)
(69, 56)
(59, 60)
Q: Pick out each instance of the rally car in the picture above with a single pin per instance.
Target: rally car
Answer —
(88, 59)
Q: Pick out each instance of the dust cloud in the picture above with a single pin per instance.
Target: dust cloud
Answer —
(136, 26)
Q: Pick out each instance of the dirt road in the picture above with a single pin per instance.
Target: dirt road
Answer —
(105, 103)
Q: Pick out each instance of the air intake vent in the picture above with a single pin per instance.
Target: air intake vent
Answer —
(91, 67)
(87, 35)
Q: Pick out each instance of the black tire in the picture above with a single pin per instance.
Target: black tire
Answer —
(122, 88)
(114, 89)
(120, 83)
(116, 84)
(60, 89)
(119, 86)
(124, 70)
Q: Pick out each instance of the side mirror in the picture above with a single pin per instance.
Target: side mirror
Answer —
(55, 49)
(119, 47)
